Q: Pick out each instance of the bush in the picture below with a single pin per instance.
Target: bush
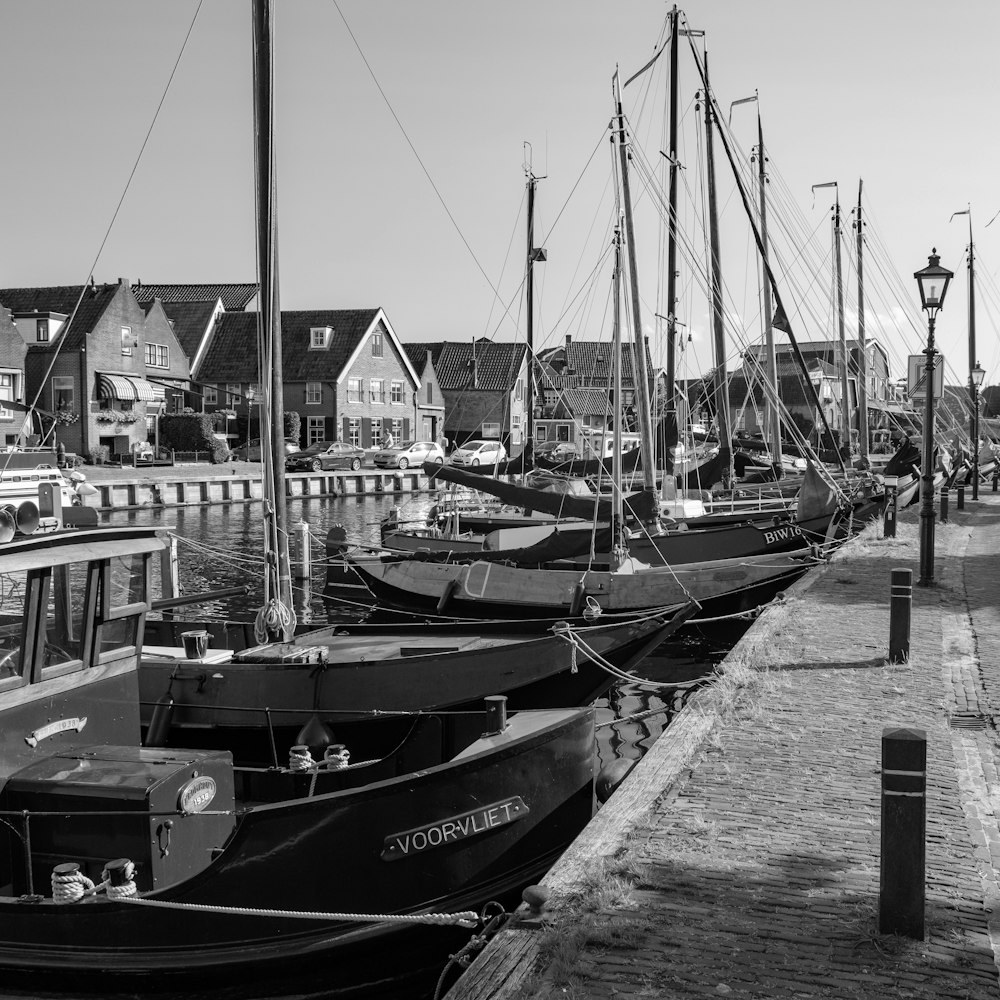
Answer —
(99, 454)
(220, 452)
(292, 425)
(188, 431)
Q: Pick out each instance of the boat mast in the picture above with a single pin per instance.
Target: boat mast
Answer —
(534, 254)
(671, 372)
(770, 359)
(279, 616)
(721, 387)
(616, 380)
(639, 371)
(863, 441)
(973, 362)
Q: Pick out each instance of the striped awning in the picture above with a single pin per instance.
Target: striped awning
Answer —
(127, 388)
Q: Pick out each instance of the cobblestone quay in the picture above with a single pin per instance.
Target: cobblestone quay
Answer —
(740, 858)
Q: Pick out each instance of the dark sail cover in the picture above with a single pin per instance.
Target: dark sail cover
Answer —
(905, 462)
(641, 505)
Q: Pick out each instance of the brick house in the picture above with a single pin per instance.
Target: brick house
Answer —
(429, 414)
(483, 384)
(12, 353)
(344, 371)
(89, 360)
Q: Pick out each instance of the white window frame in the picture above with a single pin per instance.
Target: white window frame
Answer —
(378, 345)
(320, 337)
(396, 425)
(376, 390)
(354, 431)
(315, 430)
(397, 393)
(127, 341)
(8, 392)
(234, 394)
(376, 423)
(69, 384)
(491, 431)
(355, 390)
(314, 393)
(157, 355)
(42, 331)
(210, 395)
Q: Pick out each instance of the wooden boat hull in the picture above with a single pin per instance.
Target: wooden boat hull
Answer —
(490, 588)
(448, 837)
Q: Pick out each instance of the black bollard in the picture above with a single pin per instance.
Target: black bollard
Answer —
(996, 478)
(902, 877)
(900, 602)
(889, 525)
(944, 504)
(961, 498)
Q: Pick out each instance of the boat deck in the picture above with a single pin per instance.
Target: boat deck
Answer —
(749, 836)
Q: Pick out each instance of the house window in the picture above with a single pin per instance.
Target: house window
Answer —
(157, 356)
(376, 430)
(376, 390)
(315, 429)
(314, 392)
(519, 389)
(396, 392)
(355, 390)
(491, 430)
(430, 394)
(377, 345)
(233, 393)
(127, 341)
(397, 429)
(63, 393)
(6, 393)
(42, 331)
(562, 432)
(319, 338)
(210, 395)
(354, 431)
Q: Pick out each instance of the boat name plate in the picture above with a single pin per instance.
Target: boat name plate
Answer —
(59, 726)
(774, 535)
(409, 843)
(196, 794)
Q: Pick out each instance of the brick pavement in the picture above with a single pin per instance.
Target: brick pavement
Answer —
(755, 871)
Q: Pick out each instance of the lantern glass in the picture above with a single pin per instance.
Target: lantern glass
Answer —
(978, 374)
(933, 283)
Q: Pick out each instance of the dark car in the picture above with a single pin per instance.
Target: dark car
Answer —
(326, 455)
(249, 451)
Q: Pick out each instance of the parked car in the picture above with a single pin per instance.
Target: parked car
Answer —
(557, 451)
(326, 455)
(402, 456)
(250, 451)
(479, 453)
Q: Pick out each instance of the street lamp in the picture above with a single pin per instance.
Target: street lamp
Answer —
(976, 377)
(933, 284)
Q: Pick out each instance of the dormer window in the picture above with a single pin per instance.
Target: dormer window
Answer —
(42, 331)
(319, 338)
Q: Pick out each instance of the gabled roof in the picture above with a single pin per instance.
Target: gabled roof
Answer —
(62, 299)
(586, 402)
(190, 320)
(234, 297)
(497, 366)
(592, 359)
(417, 353)
(232, 355)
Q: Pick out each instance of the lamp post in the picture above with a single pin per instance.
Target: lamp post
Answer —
(976, 377)
(933, 284)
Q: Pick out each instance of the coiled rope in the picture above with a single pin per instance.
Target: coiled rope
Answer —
(464, 918)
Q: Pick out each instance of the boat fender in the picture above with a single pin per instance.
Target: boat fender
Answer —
(579, 595)
(446, 596)
(610, 778)
(160, 721)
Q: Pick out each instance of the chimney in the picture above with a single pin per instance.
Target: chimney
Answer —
(569, 340)
(124, 282)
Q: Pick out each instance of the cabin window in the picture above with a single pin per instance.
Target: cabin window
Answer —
(355, 390)
(314, 392)
(396, 392)
(377, 347)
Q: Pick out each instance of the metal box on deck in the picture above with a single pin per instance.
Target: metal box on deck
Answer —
(107, 802)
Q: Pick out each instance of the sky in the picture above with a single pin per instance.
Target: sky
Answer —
(400, 134)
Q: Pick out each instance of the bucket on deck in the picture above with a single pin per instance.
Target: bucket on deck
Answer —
(195, 644)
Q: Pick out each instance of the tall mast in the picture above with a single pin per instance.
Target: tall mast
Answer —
(863, 441)
(278, 575)
(639, 371)
(616, 379)
(533, 254)
(671, 372)
(721, 387)
(770, 360)
(973, 362)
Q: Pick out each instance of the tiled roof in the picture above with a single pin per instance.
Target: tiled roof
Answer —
(586, 402)
(234, 297)
(497, 365)
(190, 321)
(232, 355)
(417, 353)
(592, 359)
(62, 299)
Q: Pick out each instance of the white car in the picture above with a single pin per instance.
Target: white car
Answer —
(402, 456)
(474, 453)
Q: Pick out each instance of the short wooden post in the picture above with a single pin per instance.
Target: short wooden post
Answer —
(170, 574)
(902, 877)
(900, 603)
(944, 504)
(889, 525)
(961, 498)
(302, 570)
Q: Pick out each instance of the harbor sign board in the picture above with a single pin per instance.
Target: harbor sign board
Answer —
(916, 376)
